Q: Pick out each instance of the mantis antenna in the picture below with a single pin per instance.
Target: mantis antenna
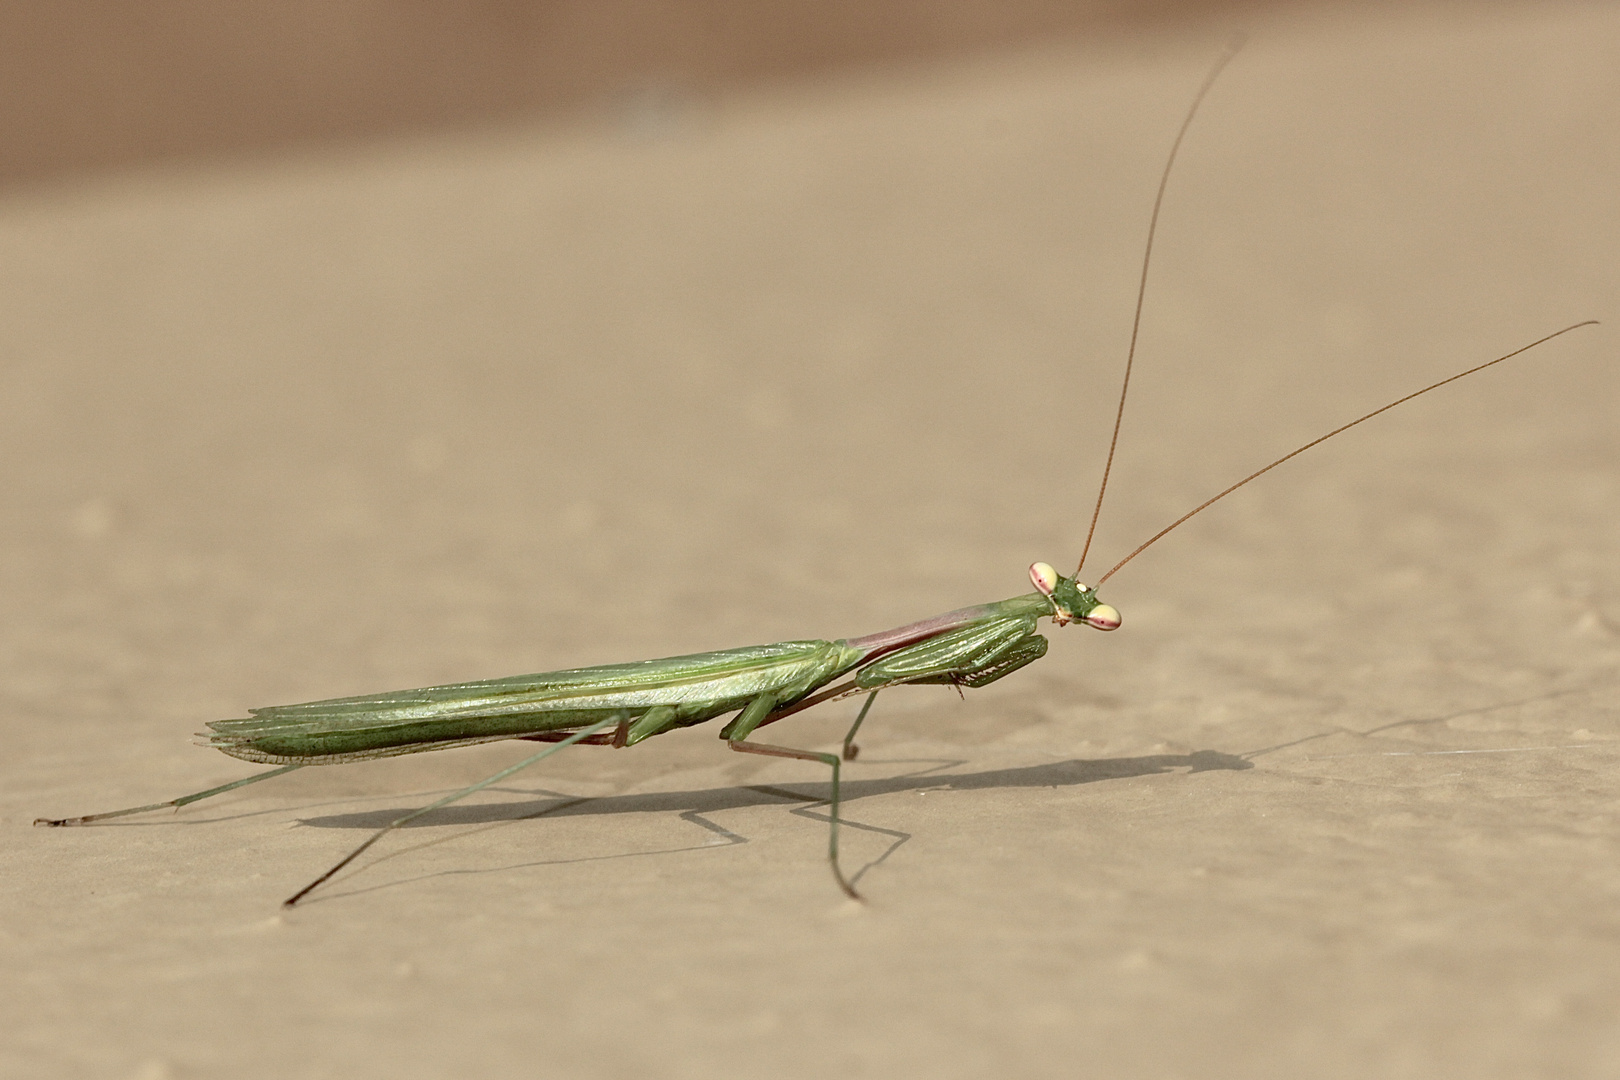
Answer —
(1207, 503)
(1225, 58)
(1215, 70)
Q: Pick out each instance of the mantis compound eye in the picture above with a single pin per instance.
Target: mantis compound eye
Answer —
(1044, 578)
(1103, 617)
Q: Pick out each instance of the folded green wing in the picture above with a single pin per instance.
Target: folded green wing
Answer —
(699, 686)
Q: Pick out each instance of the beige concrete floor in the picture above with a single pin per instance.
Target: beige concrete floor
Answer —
(1338, 800)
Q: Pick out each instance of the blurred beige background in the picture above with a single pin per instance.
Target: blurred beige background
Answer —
(86, 85)
(375, 375)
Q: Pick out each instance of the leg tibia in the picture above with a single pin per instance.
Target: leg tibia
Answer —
(176, 803)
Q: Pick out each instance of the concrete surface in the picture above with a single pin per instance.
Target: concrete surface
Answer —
(1338, 800)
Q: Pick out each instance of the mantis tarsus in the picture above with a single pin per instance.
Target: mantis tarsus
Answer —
(623, 704)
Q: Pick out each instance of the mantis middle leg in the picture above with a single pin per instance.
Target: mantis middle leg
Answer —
(736, 734)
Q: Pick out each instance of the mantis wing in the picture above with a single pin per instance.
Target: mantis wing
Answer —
(699, 686)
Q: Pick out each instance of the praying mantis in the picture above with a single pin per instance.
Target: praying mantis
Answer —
(621, 705)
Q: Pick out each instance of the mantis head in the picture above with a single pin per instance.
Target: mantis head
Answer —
(1072, 601)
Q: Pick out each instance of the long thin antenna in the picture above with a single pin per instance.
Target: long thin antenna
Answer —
(1232, 48)
(1207, 503)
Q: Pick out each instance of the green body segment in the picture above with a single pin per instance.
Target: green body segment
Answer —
(969, 647)
(697, 688)
(974, 656)
(955, 654)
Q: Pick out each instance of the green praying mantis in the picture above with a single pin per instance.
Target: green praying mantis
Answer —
(621, 705)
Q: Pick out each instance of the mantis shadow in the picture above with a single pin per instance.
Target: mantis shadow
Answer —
(1415, 722)
(694, 806)
(713, 800)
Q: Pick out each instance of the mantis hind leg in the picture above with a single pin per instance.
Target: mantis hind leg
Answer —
(577, 736)
(176, 803)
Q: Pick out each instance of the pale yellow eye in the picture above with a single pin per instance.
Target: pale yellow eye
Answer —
(1103, 617)
(1044, 578)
